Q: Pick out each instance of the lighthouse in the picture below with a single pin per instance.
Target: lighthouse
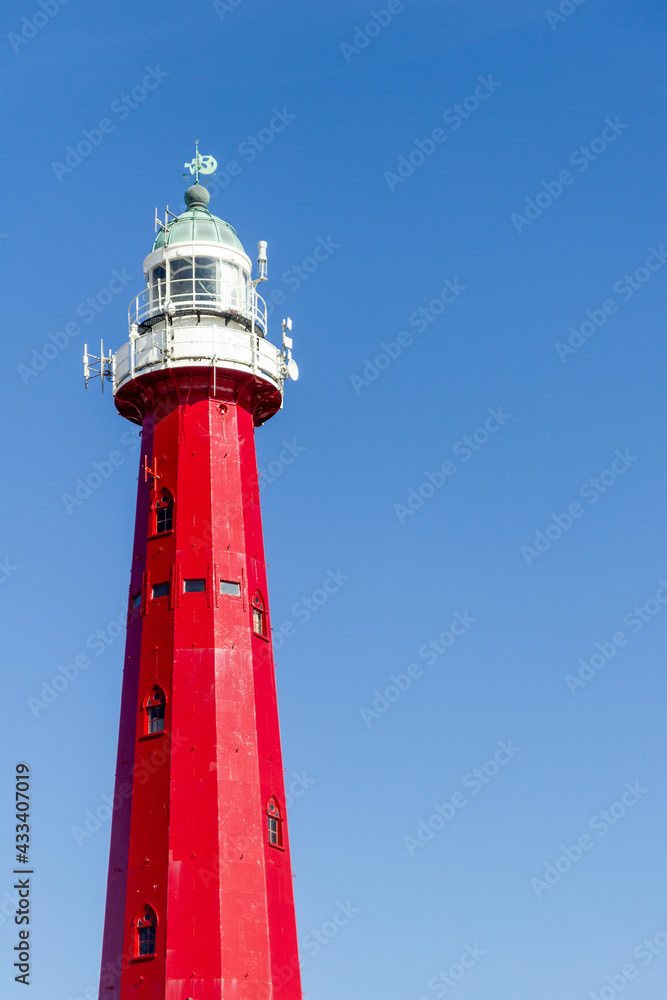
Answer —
(199, 900)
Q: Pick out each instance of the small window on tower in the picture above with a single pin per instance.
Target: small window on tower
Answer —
(228, 587)
(145, 926)
(258, 615)
(160, 589)
(136, 600)
(275, 822)
(154, 711)
(194, 586)
(164, 512)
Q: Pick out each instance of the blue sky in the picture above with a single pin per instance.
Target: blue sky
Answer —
(527, 226)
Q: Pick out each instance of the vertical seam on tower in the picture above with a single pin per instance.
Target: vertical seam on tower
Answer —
(144, 593)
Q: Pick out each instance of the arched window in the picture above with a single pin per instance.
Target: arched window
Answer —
(258, 614)
(154, 709)
(275, 823)
(164, 511)
(145, 927)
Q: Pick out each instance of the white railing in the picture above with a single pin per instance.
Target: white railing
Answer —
(210, 346)
(228, 298)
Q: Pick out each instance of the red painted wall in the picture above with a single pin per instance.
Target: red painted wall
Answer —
(190, 833)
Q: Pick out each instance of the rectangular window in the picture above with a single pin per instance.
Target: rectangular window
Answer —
(258, 621)
(194, 586)
(228, 587)
(273, 830)
(146, 941)
(156, 719)
(136, 600)
(160, 590)
(164, 519)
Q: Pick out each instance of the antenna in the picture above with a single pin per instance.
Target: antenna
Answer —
(159, 224)
(94, 366)
(290, 366)
(261, 261)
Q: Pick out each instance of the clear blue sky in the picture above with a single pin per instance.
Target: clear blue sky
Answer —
(540, 200)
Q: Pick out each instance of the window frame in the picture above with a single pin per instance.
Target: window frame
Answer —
(158, 506)
(138, 926)
(145, 709)
(258, 606)
(274, 815)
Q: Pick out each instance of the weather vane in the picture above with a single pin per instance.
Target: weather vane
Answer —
(201, 164)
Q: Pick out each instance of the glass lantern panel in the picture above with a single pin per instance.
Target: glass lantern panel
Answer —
(232, 296)
(206, 231)
(206, 279)
(180, 284)
(158, 283)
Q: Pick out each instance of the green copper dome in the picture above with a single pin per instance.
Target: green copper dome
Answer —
(197, 224)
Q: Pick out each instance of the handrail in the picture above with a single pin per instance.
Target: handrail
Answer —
(228, 298)
(212, 346)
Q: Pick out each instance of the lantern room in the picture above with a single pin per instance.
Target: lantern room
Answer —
(200, 309)
(198, 267)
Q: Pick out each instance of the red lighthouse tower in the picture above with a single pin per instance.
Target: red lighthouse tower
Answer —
(199, 901)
